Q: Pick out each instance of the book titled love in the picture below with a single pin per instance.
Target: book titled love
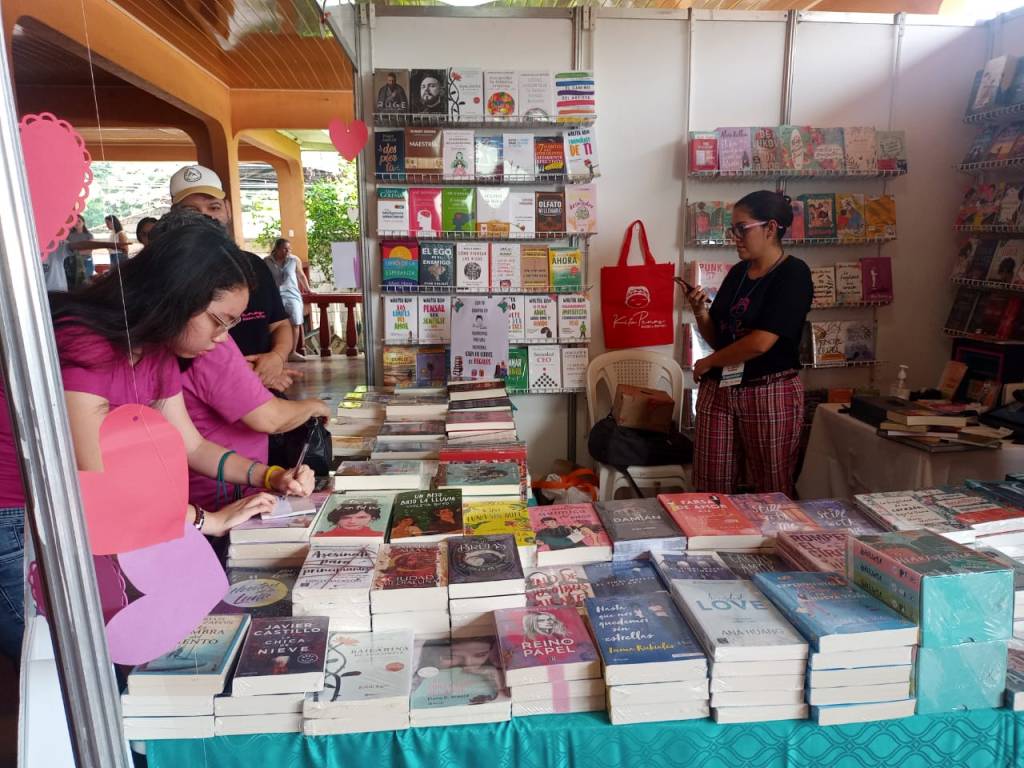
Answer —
(282, 655)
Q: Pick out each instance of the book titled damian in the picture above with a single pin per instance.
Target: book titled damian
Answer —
(643, 639)
(484, 566)
(198, 666)
(711, 521)
(539, 645)
(735, 622)
(568, 534)
(282, 655)
(426, 516)
(499, 478)
(833, 614)
(638, 527)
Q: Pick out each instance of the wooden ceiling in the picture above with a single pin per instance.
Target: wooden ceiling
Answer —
(843, 6)
(37, 61)
(263, 44)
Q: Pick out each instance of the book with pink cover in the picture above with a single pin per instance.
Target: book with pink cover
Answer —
(712, 521)
(540, 645)
(569, 534)
(815, 550)
(774, 512)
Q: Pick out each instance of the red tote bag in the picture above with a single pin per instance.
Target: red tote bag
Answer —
(637, 302)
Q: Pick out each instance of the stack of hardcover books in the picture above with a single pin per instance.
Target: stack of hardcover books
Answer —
(484, 575)
(550, 663)
(367, 681)
(335, 582)
(458, 682)
(654, 667)
(852, 635)
(171, 697)
(281, 657)
(638, 527)
(757, 658)
(410, 589)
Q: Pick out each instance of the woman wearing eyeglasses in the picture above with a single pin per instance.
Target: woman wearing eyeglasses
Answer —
(750, 404)
(119, 340)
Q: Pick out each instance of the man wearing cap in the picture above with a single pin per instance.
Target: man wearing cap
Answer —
(264, 334)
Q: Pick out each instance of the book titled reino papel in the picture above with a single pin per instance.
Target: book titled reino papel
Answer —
(539, 645)
(736, 622)
(644, 639)
(833, 614)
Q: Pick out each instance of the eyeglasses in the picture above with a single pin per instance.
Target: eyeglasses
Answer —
(739, 231)
(225, 325)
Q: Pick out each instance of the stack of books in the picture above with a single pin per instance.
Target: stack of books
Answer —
(479, 412)
(623, 578)
(832, 514)
(961, 600)
(550, 663)
(712, 521)
(1015, 565)
(746, 564)
(482, 517)
(276, 541)
(691, 566)
(558, 586)
(348, 519)
(757, 658)
(908, 511)
(484, 575)
(654, 667)
(374, 476)
(367, 681)
(458, 682)
(259, 592)
(426, 516)
(1015, 676)
(172, 696)
(281, 656)
(569, 534)
(814, 551)
(335, 582)
(410, 589)
(842, 622)
(638, 527)
(479, 479)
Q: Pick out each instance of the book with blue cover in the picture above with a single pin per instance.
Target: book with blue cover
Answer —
(620, 579)
(735, 622)
(833, 614)
(692, 566)
(643, 639)
(1009, 493)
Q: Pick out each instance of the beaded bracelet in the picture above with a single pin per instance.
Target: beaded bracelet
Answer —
(248, 474)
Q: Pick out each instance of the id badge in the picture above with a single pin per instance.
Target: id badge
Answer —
(731, 375)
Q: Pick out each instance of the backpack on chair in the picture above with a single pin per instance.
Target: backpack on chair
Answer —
(625, 447)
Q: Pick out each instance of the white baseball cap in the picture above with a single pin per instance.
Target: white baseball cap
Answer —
(195, 180)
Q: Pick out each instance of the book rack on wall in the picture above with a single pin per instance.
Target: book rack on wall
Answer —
(846, 364)
(793, 174)
(855, 305)
(406, 120)
(1000, 164)
(955, 334)
(497, 179)
(805, 242)
(989, 285)
(990, 229)
(995, 115)
(469, 240)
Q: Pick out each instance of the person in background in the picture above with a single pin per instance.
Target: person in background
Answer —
(143, 228)
(264, 334)
(78, 266)
(118, 341)
(291, 281)
(226, 400)
(755, 323)
(118, 240)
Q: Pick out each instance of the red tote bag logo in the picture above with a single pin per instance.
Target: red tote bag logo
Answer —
(637, 302)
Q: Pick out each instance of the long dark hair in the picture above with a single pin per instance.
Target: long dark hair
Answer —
(172, 279)
(114, 222)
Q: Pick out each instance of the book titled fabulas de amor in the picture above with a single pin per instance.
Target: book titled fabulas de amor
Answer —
(833, 614)
(282, 655)
(736, 622)
(543, 644)
(644, 629)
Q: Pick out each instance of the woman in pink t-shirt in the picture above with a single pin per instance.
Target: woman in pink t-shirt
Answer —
(119, 340)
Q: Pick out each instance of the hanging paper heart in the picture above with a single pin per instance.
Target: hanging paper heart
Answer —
(348, 138)
(108, 579)
(180, 581)
(57, 166)
(141, 497)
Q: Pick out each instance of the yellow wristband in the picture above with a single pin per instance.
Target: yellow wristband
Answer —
(268, 474)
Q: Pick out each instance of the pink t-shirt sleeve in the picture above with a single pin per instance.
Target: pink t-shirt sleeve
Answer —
(226, 383)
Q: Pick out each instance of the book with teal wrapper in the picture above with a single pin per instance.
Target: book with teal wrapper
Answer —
(961, 677)
(954, 594)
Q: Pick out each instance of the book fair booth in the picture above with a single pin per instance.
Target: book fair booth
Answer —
(544, 190)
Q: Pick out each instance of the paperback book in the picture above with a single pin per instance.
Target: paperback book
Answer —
(284, 654)
(364, 673)
(545, 367)
(401, 320)
(543, 644)
(505, 268)
(465, 94)
(423, 150)
(554, 586)
(639, 527)
(549, 155)
(352, 519)
(623, 578)
(424, 211)
(569, 534)
(458, 209)
(534, 263)
(400, 262)
(536, 95)
(457, 155)
(484, 566)
(573, 317)
(580, 152)
(541, 319)
(711, 521)
(436, 264)
(522, 212)
(258, 591)
(693, 566)
(389, 152)
(392, 210)
(735, 150)
(566, 268)
(426, 515)
(458, 682)
(392, 89)
(489, 161)
(428, 92)
(574, 367)
(581, 209)
(492, 211)
(518, 156)
(434, 319)
(550, 214)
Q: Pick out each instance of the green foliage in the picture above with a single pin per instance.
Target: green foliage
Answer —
(327, 221)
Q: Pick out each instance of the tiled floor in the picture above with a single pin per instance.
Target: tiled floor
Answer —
(328, 378)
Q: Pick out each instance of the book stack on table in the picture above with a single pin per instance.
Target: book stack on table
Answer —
(335, 582)
(410, 589)
(458, 682)
(484, 575)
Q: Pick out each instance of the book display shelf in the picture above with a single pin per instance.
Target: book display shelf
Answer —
(477, 200)
(988, 271)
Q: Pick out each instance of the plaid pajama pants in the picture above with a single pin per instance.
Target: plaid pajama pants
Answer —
(756, 428)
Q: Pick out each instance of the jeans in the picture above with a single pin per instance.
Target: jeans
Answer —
(12, 580)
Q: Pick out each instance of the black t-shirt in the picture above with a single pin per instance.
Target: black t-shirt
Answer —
(252, 335)
(777, 302)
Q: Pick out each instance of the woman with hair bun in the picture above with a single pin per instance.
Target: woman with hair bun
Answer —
(749, 418)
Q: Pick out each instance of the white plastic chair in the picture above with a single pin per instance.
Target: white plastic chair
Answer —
(640, 368)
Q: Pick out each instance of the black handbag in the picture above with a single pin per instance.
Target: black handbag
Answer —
(285, 448)
(624, 447)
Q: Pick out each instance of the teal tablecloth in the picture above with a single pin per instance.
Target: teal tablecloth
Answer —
(982, 739)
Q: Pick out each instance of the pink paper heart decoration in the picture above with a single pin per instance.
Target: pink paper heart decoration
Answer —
(57, 166)
(141, 497)
(181, 582)
(108, 579)
(348, 138)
